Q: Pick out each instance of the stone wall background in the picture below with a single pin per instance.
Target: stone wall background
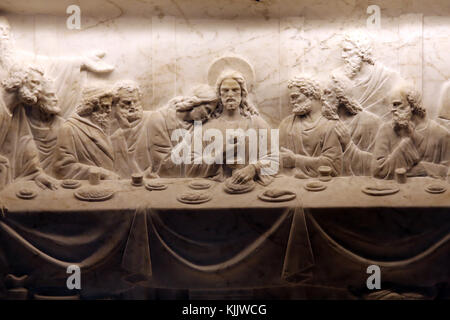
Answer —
(167, 46)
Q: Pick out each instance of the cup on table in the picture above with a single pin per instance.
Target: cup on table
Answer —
(94, 176)
(137, 179)
(400, 175)
(325, 173)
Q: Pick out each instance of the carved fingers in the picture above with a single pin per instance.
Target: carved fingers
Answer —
(244, 175)
(44, 181)
(94, 63)
(287, 158)
(343, 134)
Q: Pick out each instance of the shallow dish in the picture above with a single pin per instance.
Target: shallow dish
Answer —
(315, 186)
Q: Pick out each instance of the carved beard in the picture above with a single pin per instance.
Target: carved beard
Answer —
(102, 120)
(231, 104)
(129, 118)
(28, 96)
(48, 109)
(401, 121)
(351, 108)
(302, 109)
(352, 66)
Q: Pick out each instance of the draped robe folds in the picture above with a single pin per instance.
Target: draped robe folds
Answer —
(45, 137)
(363, 128)
(371, 90)
(313, 146)
(17, 146)
(81, 146)
(164, 122)
(428, 154)
(132, 147)
(218, 171)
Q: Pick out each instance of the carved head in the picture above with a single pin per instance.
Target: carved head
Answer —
(356, 49)
(233, 94)
(26, 83)
(127, 102)
(48, 101)
(306, 95)
(5, 29)
(338, 94)
(96, 105)
(201, 105)
(405, 102)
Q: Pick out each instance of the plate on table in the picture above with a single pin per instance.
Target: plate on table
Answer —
(199, 184)
(315, 186)
(435, 188)
(380, 190)
(237, 188)
(26, 194)
(70, 184)
(93, 193)
(194, 197)
(277, 195)
(155, 185)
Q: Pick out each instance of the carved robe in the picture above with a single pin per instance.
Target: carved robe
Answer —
(218, 171)
(21, 159)
(81, 146)
(363, 128)
(316, 145)
(45, 137)
(132, 147)
(428, 154)
(163, 123)
(372, 89)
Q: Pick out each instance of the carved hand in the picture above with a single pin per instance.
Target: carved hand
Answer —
(148, 174)
(44, 181)
(287, 158)
(245, 174)
(94, 62)
(343, 134)
(108, 175)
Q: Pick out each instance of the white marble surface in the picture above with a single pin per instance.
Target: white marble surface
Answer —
(167, 46)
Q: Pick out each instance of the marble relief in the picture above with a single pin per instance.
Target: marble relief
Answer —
(254, 105)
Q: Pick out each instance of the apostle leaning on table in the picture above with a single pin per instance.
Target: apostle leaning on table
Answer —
(179, 113)
(308, 139)
(83, 141)
(411, 140)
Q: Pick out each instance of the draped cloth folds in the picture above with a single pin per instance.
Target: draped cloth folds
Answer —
(242, 236)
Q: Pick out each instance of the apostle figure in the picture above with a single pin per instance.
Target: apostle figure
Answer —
(132, 139)
(179, 113)
(356, 129)
(308, 138)
(44, 122)
(234, 112)
(19, 157)
(411, 141)
(371, 81)
(83, 140)
(66, 70)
